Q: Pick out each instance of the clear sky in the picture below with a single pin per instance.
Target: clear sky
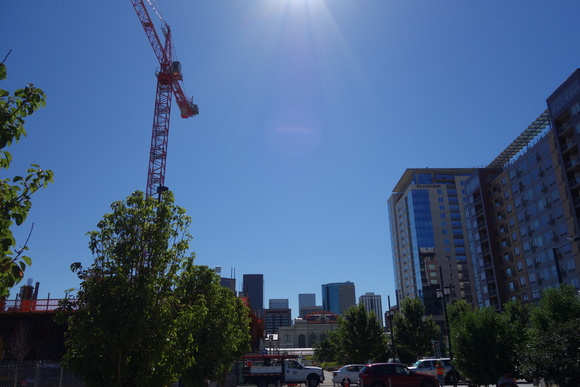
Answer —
(310, 112)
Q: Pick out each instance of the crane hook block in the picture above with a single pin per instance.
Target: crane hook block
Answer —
(188, 110)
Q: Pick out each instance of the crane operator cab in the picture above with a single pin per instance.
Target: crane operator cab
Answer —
(176, 69)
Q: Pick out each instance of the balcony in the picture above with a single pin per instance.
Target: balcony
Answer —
(574, 164)
(575, 182)
(564, 129)
(568, 146)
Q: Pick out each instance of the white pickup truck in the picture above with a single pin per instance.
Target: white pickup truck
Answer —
(263, 370)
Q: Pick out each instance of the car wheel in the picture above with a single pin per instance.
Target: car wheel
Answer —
(378, 384)
(262, 383)
(428, 384)
(313, 381)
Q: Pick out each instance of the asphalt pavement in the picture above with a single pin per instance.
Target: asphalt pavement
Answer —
(328, 382)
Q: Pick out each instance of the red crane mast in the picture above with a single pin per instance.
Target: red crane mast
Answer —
(169, 80)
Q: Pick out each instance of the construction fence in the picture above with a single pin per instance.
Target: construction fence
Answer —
(31, 374)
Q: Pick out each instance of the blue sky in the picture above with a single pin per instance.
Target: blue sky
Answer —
(310, 112)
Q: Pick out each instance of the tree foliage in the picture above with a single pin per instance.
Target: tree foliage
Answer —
(492, 335)
(413, 332)
(358, 338)
(16, 192)
(324, 350)
(553, 352)
(224, 335)
(131, 326)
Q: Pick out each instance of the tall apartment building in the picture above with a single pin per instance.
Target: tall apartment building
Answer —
(426, 216)
(373, 302)
(564, 109)
(524, 216)
(515, 217)
(338, 297)
(253, 288)
(519, 217)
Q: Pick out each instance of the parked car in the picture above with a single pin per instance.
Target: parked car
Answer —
(427, 366)
(347, 373)
(394, 374)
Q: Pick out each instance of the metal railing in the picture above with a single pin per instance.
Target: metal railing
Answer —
(18, 305)
(16, 374)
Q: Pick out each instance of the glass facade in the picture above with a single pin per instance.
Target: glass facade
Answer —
(253, 288)
(338, 297)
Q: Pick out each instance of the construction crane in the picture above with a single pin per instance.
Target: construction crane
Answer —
(169, 79)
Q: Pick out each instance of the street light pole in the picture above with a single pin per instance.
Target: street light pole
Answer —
(390, 315)
(444, 294)
(556, 255)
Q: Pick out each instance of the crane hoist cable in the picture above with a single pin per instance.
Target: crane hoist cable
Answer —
(154, 8)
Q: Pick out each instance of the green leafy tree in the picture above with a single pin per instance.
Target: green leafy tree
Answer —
(358, 338)
(16, 192)
(492, 335)
(325, 350)
(223, 335)
(132, 327)
(553, 352)
(518, 323)
(413, 332)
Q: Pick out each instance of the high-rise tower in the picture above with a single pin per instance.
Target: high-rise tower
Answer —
(253, 288)
(338, 297)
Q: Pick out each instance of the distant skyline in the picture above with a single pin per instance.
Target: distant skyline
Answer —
(310, 112)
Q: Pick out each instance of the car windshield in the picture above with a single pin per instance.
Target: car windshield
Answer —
(417, 363)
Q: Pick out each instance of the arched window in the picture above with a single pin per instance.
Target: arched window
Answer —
(301, 341)
(311, 340)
